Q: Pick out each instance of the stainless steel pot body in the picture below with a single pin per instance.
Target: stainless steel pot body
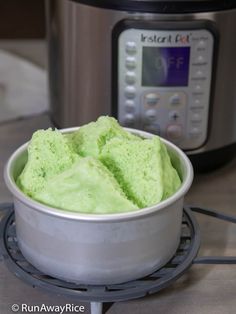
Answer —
(98, 249)
(80, 65)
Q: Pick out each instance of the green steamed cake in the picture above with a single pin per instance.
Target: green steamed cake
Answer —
(143, 169)
(90, 138)
(87, 187)
(137, 167)
(99, 169)
(48, 155)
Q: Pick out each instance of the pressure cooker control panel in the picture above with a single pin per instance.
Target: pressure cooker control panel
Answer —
(164, 82)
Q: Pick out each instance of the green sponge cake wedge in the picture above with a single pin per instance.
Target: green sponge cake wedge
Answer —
(143, 169)
(48, 155)
(137, 166)
(87, 187)
(90, 138)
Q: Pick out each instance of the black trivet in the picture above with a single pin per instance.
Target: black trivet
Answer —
(184, 257)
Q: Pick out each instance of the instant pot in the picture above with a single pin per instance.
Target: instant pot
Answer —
(166, 67)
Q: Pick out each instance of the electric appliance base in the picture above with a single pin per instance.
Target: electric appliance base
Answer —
(214, 159)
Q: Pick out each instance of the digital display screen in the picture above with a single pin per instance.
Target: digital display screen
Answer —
(165, 66)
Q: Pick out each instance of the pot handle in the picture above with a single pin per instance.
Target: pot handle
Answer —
(5, 209)
(214, 259)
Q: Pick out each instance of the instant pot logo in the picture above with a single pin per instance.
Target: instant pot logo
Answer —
(178, 38)
(183, 39)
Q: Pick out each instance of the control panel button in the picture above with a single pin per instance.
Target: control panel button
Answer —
(202, 44)
(199, 76)
(174, 131)
(197, 102)
(174, 116)
(152, 99)
(198, 88)
(196, 117)
(130, 63)
(200, 59)
(129, 119)
(129, 106)
(130, 92)
(131, 47)
(153, 128)
(175, 100)
(199, 73)
(150, 114)
(195, 132)
(130, 78)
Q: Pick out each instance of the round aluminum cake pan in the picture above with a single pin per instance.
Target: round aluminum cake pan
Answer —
(98, 249)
